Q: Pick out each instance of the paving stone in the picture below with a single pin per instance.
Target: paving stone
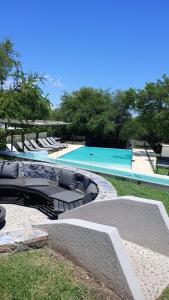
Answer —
(22, 239)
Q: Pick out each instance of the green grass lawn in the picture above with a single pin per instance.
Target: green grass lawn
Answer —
(162, 171)
(165, 295)
(126, 187)
(43, 275)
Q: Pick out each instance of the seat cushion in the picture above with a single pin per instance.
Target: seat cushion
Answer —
(9, 170)
(91, 189)
(82, 182)
(67, 179)
(36, 182)
(67, 196)
(12, 182)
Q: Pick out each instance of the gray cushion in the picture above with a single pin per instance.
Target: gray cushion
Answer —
(12, 182)
(91, 189)
(82, 182)
(36, 182)
(88, 198)
(67, 196)
(9, 170)
(67, 179)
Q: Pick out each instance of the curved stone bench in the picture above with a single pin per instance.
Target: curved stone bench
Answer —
(65, 188)
(45, 170)
(2, 216)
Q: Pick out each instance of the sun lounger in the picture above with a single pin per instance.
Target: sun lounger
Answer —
(30, 147)
(21, 147)
(45, 144)
(11, 148)
(60, 145)
(36, 146)
(57, 141)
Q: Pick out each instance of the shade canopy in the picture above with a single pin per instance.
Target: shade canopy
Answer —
(32, 122)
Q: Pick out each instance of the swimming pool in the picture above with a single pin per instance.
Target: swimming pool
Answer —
(110, 158)
(95, 166)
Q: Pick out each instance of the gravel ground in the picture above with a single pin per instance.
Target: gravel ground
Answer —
(21, 216)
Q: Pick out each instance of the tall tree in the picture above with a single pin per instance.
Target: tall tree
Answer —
(20, 94)
(151, 112)
(94, 113)
(8, 61)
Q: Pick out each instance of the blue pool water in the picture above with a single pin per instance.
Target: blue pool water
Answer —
(114, 162)
(100, 157)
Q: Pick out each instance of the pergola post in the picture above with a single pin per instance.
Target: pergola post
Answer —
(11, 141)
(37, 136)
(23, 139)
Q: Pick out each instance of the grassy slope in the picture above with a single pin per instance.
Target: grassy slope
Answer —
(165, 295)
(124, 187)
(43, 275)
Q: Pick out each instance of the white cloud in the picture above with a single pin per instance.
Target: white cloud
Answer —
(54, 82)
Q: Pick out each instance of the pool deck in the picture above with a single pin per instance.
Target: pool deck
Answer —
(70, 148)
(141, 163)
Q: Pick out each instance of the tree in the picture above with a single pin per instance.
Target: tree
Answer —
(22, 98)
(90, 112)
(95, 114)
(8, 61)
(151, 113)
(122, 114)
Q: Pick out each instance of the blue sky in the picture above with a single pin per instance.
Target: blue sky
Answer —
(113, 44)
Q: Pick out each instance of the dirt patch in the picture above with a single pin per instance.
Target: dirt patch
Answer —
(99, 290)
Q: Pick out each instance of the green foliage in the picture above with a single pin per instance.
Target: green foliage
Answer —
(39, 275)
(7, 61)
(22, 98)
(89, 111)
(151, 106)
(94, 113)
(165, 294)
(3, 136)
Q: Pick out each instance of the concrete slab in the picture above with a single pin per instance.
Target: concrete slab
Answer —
(22, 239)
(97, 248)
(71, 147)
(141, 162)
(141, 221)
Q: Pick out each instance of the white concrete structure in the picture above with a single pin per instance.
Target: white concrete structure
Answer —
(140, 221)
(97, 248)
(71, 147)
(143, 225)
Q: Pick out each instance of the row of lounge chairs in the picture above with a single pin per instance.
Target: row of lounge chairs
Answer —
(43, 144)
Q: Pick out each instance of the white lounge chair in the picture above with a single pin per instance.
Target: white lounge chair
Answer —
(11, 148)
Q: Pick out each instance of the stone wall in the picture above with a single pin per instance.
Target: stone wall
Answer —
(141, 221)
(97, 248)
